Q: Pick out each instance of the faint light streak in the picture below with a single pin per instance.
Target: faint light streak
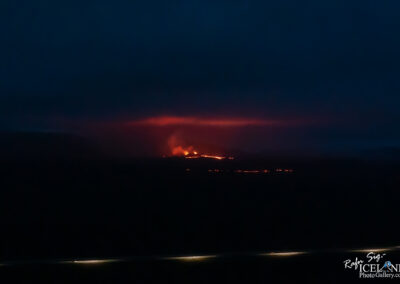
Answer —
(367, 250)
(212, 157)
(262, 171)
(283, 253)
(192, 258)
(92, 261)
(248, 171)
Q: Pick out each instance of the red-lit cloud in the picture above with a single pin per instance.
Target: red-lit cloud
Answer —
(199, 121)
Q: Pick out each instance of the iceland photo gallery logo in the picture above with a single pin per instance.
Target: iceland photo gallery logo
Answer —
(373, 266)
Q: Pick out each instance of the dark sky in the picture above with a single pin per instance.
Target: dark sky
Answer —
(335, 63)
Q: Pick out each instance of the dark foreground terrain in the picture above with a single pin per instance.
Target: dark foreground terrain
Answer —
(310, 268)
(141, 212)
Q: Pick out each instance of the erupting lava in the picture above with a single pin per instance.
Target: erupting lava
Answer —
(209, 157)
(182, 151)
(190, 153)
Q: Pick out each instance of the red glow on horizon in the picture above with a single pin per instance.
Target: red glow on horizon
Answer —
(198, 121)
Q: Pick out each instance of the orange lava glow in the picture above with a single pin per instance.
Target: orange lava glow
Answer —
(199, 121)
(213, 157)
(182, 151)
(196, 156)
(189, 152)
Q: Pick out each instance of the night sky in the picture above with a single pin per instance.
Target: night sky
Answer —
(326, 71)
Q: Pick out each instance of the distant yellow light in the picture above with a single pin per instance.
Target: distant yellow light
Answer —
(192, 258)
(373, 250)
(283, 253)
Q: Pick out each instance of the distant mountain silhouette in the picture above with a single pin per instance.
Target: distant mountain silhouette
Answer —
(384, 153)
(44, 145)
